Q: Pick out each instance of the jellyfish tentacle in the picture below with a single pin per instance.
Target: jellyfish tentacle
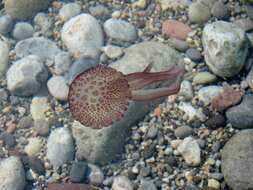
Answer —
(151, 94)
(154, 77)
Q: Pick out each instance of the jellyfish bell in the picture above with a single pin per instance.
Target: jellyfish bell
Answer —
(100, 95)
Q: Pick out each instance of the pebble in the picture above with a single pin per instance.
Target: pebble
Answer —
(208, 93)
(6, 24)
(240, 116)
(120, 30)
(22, 30)
(78, 172)
(58, 88)
(34, 146)
(26, 76)
(152, 132)
(182, 132)
(38, 107)
(25, 122)
(179, 45)
(220, 10)
(42, 127)
(225, 48)
(69, 10)
(62, 63)
(44, 23)
(204, 78)
(199, 13)
(12, 174)
(190, 150)
(212, 183)
(42, 47)
(60, 147)
(112, 52)
(122, 183)
(147, 185)
(4, 54)
(175, 29)
(8, 139)
(36, 165)
(83, 36)
(186, 89)
(194, 54)
(191, 112)
(24, 9)
(100, 12)
(216, 121)
(95, 175)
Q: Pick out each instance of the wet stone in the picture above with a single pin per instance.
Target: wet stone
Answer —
(42, 127)
(36, 165)
(25, 122)
(8, 139)
(78, 171)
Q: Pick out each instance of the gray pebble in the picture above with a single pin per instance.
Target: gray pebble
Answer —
(194, 54)
(58, 87)
(22, 30)
(25, 122)
(36, 165)
(152, 132)
(42, 127)
(69, 10)
(78, 171)
(199, 13)
(95, 175)
(220, 10)
(184, 131)
(8, 139)
(100, 12)
(62, 63)
(6, 24)
(122, 183)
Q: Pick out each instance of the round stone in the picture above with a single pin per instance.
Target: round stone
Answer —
(23, 30)
(184, 131)
(199, 13)
(220, 10)
(58, 87)
(194, 54)
(69, 10)
(6, 24)
(122, 183)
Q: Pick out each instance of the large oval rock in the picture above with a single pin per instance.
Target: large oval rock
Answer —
(83, 36)
(12, 175)
(102, 146)
(26, 76)
(24, 9)
(40, 46)
(241, 116)
(225, 48)
(4, 54)
(237, 161)
(60, 147)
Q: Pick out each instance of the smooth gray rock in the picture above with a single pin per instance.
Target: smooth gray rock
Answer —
(100, 11)
(4, 54)
(237, 161)
(184, 131)
(26, 76)
(44, 23)
(225, 48)
(40, 46)
(241, 116)
(78, 171)
(103, 146)
(220, 10)
(69, 10)
(62, 63)
(120, 30)
(60, 147)
(6, 24)
(95, 175)
(23, 30)
(199, 13)
(24, 9)
(58, 87)
(122, 183)
(12, 174)
(83, 36)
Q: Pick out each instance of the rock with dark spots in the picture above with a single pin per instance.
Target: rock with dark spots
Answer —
(36, 165)
(104, 145)
(24, 9)
(241, 116)
(26, 76)
(237, 161)
(78, 171)
(216, 121)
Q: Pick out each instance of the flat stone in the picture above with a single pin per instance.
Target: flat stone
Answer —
(40, 46)
(24, 9)
(12, 174)
(102, 146)
(237, 161)
(83, 36)
(184, 131)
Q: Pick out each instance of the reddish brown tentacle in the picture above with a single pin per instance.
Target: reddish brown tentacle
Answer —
(148, 68)
(151, 94)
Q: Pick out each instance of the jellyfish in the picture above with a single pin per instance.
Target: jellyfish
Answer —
(100, 96)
